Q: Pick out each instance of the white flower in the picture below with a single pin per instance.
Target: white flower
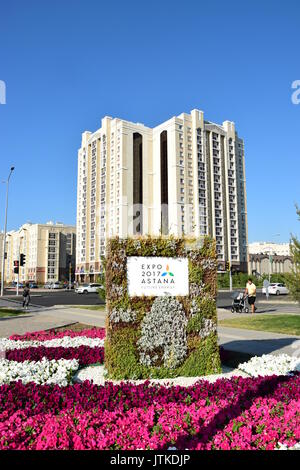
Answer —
(64, 342)
(208, 327)
(285, 447)
(41, 372)
(269, 364)
(163, 331)
(122, 315)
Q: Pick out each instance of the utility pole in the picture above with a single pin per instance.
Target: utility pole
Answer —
(271, 257)
(228, 269)
(230, 278)
(270, 265)
(19, 258)
(5, 229)
(70, 276)
(18, 276)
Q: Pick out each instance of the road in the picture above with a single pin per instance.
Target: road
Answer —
(274, 304)
(60, 297)
(248, 342)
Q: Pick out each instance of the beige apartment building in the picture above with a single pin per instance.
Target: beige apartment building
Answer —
(185, 176)
(48, 248)
(269, 257)
(280, 249)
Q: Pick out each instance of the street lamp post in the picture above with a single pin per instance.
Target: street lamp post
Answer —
(5, 228)
(270, 257)
(270, 264)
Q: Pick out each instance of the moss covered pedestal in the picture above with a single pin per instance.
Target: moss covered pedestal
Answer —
(160, 337)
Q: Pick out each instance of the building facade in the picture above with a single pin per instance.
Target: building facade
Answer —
(185, 176)
(260, 264)
(280, 249)
(49, 250)
(269, 257)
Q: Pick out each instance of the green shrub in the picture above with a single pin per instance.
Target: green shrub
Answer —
(195, 273)
(101, 280)
(121, 360)
(203, 360)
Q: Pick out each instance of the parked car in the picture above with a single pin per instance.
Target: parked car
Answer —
(56, 285)
(52, 285)
(275, 288)
(68, 286)
(87, 288)
(47, 285)
(14, 284)
(33, 285)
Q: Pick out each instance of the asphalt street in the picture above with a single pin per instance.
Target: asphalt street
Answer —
(61, 297)
(274, 304)
(61, 313)
(58, 297)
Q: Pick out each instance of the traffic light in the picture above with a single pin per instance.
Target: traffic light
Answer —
(16, 266)
(227, 265)
(22, 259)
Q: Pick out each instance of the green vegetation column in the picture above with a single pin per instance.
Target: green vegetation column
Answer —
(161, 335)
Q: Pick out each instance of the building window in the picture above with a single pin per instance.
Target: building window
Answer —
(137, 181)
(164, 181)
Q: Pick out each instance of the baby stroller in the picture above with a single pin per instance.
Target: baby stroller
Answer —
(239, 303)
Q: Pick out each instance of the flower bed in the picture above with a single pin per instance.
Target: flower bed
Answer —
(85, 349)
(40, 408)
(269, 364)
(84, 354)
(51, 334)
(42, 372)
(229, 414)
(65, 342)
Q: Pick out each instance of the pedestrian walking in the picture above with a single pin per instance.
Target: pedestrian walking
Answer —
(26, 296)
(251, 292)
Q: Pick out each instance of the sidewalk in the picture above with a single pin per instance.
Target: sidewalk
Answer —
(225, 313)
(51, 317)
(233, 339)
(257, 343)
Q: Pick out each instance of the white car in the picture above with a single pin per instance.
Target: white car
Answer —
(87, 288)
(55, 285)
(275, 288)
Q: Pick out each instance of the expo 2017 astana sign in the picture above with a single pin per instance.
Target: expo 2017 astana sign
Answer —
(157, 276)
(161, 308)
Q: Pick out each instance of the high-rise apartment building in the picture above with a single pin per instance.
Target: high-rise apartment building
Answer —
(48, 248)
(185, 176)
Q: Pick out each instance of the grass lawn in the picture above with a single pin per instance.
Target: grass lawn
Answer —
(288, 324)
(10, 312)
(101, 308)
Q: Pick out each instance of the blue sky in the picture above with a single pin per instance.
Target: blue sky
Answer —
(68, 63)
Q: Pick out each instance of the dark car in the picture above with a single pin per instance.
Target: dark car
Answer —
(14, 284)
(33, 285)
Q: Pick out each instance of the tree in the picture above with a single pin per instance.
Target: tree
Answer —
(293, 279)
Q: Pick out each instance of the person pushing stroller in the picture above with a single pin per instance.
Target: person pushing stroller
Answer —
(26, 296)
(251, 292)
